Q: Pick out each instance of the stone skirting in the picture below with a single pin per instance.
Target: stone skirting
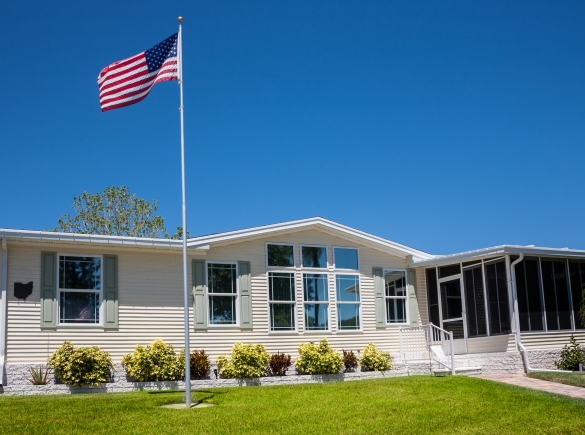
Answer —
(17, 375)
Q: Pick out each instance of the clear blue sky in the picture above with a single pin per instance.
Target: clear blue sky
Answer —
(446, 126)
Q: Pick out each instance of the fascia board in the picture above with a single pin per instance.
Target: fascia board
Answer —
(267, 229)
(91, 238)
(499, 250)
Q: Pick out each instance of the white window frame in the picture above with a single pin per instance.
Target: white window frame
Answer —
(100, 291)
(326, 268)
(280, 267)
(346, 247)
(406, 298)
(294, 303)
(338, 302)
(328, 302)
(236, 295)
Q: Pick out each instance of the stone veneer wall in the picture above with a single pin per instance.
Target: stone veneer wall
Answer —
(502, 362)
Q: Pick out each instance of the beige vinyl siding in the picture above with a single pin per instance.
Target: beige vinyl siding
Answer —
(550, 340)
(495, 343)
(151, 300)
(421, 296)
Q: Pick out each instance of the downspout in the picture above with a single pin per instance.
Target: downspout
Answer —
(3, 310)
(519, 344)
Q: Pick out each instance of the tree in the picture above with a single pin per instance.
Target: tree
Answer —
(115, 212)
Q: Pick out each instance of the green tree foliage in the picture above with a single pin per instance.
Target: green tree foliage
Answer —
(82, 365)
(115, 212)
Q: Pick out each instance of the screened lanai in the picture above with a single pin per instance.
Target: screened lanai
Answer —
(471, 294)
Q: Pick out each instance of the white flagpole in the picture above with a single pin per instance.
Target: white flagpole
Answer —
(185, 287)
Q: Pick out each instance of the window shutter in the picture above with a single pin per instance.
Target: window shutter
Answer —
(379, 295)
(245, 294)
(199, 298)
(111, 291)
(412, 301)
(48, 289)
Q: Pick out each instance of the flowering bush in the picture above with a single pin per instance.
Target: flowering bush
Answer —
(376, 360)
(199, 363)
(81, 366)
(318, 359)
(246, 361)
(279, 364)
(155, 362)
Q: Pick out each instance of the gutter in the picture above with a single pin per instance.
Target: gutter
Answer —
(3, 310)
(519, 344)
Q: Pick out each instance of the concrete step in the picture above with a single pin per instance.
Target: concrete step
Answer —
(462, 370)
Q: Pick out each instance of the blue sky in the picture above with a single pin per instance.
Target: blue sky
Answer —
(446, 126)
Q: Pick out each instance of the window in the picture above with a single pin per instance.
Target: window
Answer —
(347, 289)
(281, 298)
(577, 274)
(316, 301)
(280, 255)
(396, 296)
(433, 297)
(80, 290)
(345, 258)
(530, 312)
(556, 295)
(314, 256)
(222, 293)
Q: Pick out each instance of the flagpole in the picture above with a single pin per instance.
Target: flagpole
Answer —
(185, 287)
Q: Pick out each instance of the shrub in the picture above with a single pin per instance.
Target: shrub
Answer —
(571, 355)
(375, 360)
(279, 364)
(246, 361)
(81, 366)
(318, 359)
(155, 362)
(39, 376)
(199, 363)
(350, 361)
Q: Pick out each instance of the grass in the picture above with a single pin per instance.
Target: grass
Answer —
(576, 379)
(408, 405)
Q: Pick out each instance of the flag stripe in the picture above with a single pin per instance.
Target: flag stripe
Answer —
(129, 81)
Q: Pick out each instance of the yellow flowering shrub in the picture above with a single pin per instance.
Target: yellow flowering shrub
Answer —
(82, 365)
(318, 359)
(246, 361)
(155, 362)
(376, 360)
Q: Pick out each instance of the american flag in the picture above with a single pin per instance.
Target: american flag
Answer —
(129, 81)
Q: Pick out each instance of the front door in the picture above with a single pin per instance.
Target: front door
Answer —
(452, 314)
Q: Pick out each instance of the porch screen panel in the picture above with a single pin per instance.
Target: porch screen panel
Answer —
(562, 291)
(499, 309)
(577, 279)
(556, 295)
(529, 295)
(476, 320)
(433, 296)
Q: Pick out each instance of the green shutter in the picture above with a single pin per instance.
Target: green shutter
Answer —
(379, 296)
(110, 268)
(245, 282)
(199, 298)
(412, 301)
(48, 289)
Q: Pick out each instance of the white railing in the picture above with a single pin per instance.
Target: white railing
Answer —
(414, 342)
(427, 342)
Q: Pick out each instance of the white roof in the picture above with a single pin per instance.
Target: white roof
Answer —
(498, 251)
(204, 242)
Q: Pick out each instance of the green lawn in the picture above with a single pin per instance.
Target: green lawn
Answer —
(407, 405)
(576, 379)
